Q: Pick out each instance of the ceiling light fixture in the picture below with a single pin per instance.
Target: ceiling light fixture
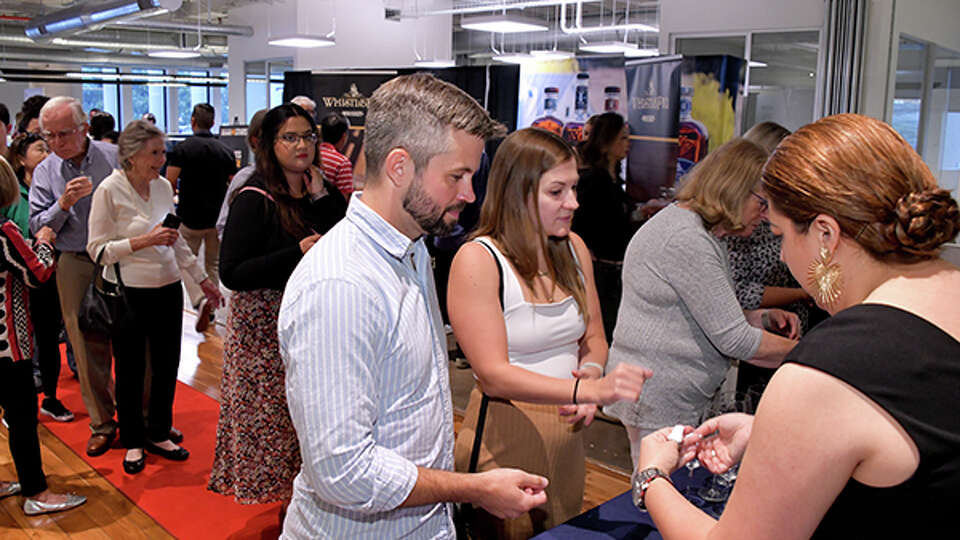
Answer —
(493, 7)
(547, 55)
(435, 63)
(174, 53)
(513, 58)
(504, 24)
(755, 64)
(617, 47)
(302, 41)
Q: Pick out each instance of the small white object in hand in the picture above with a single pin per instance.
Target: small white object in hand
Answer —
(676, 435)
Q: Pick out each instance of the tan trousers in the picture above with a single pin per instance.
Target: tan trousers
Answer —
(94, 367)
(211, 258)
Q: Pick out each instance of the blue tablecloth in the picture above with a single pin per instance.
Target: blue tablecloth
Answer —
(618, 518)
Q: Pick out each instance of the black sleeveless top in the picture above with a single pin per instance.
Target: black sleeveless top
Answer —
(911, 369)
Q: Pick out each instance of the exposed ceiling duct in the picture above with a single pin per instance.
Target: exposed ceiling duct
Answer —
(85, 17)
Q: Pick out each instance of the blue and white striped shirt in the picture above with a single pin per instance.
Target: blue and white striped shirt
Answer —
(367, 383)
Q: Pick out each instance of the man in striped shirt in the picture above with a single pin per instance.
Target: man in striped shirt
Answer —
(336, 166)
(363, 342)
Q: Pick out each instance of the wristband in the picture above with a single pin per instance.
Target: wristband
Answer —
(641, 481)
(592, 364)
(576, 386)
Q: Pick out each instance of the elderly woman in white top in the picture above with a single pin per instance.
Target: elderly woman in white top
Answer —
(126, 227)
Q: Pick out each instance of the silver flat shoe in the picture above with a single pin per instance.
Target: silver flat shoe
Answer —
(32, 507)
(12, 489)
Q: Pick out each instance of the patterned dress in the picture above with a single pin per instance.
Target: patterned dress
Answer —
(249, 466)
(258, 454)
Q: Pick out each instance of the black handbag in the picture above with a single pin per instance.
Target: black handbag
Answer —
(463, 513)
(104, 305)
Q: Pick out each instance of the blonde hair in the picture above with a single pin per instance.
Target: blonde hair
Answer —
(767, 135)
(9, 185)
(717, 187)
(514, 180)
(863, 173)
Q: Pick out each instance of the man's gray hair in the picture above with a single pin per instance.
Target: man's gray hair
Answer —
(79, 118)
(419, 113)
(133, 139)
(305, 102)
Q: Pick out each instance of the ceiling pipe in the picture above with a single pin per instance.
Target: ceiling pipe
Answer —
(578, 27)
(223, 29)
(85, 17)
(111, 59)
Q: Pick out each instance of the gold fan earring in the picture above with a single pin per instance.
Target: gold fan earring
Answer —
(825, 277)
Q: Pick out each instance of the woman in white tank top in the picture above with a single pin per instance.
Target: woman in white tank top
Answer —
(524, 309)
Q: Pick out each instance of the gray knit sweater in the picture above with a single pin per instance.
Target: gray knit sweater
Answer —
(679, 317)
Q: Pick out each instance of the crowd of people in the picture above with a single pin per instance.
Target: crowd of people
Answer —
(807, 261)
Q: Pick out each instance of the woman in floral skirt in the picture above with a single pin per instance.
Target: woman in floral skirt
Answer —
(277, 216)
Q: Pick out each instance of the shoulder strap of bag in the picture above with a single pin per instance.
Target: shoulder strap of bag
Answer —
(485, 401)
(256, 190)
(98, 272)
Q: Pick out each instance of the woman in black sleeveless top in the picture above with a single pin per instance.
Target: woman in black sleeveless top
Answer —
(857, 435)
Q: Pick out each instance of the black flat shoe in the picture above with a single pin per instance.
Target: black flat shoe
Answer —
(180, 454)
(135, 466)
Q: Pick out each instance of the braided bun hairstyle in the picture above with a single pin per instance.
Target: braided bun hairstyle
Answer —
(864, 174)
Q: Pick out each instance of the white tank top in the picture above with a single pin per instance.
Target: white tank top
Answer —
(542, 338)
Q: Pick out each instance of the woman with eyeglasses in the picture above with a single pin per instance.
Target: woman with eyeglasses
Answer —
(277, 216)
(680, 316)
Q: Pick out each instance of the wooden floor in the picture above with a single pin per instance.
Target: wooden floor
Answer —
(110, 514)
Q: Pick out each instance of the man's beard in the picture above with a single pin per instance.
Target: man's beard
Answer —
(428, 214)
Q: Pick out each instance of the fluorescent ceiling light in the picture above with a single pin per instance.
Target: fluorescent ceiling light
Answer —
(513, 58)
(504, 24)
(547, 55)
(435, 63)
(755, 64)
(166, 84)
(609, 47)
(499, 6)
(174, 53)
(302, 41)
(641, 53)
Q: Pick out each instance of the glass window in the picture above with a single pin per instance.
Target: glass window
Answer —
(732, 45)
(225, 117)
(187, 97)
(256, 87)
(150, 98)
(783, 79)
(102, 95)
(277, 70)
(908, 93)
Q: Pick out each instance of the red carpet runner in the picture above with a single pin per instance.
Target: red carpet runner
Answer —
(173, 493)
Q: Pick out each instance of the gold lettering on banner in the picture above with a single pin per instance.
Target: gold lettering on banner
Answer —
(351, 99)
(651, 101)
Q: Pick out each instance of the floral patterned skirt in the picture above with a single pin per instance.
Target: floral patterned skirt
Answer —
(257, 455)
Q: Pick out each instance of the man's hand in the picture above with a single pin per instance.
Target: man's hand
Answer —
(307, 242)
(76, 189)
(46, 234)
(509, 493)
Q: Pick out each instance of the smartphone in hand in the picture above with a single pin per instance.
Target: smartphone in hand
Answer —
(172, 221)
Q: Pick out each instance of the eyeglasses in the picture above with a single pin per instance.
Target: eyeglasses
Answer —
(51, 136)
(764, 204)
(294, 138)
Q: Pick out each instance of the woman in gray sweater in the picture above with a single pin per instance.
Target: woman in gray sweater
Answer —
(679, 315)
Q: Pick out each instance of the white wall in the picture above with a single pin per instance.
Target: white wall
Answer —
(718, 16)
(365, 39)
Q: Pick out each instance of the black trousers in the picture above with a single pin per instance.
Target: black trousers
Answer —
(609, 290)
(47, 321)
(19, 401)
(156, 322)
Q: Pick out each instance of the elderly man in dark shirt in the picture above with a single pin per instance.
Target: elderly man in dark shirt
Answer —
(204, 167)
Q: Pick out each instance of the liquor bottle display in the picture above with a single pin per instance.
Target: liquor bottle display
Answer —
(611, 102)
(573, 130)
(549, 120)
(693, 135)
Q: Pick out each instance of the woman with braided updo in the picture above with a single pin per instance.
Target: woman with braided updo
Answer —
(857, 434)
